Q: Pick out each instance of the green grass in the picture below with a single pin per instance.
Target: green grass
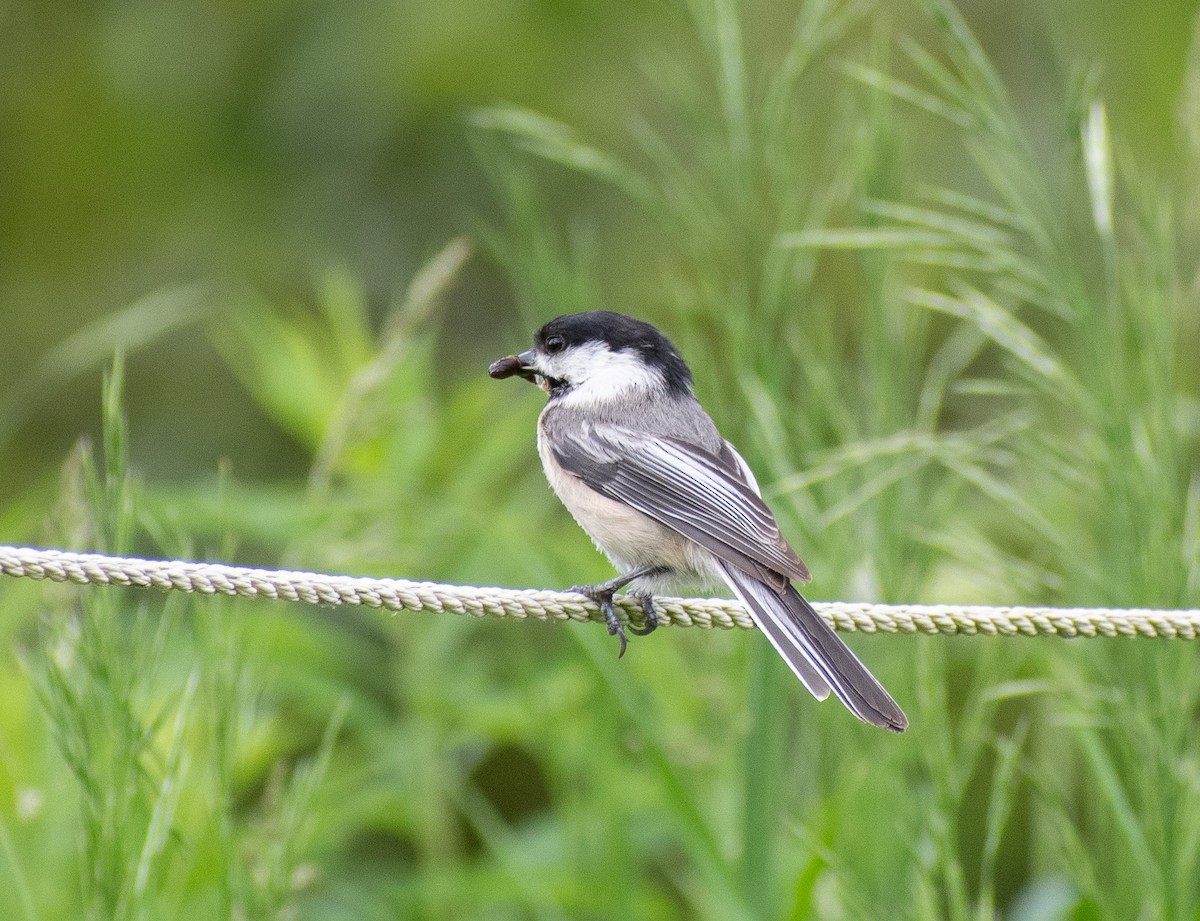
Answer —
(147, 704)
(957, 384)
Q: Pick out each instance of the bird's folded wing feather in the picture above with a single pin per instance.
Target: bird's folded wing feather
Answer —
(703, 496)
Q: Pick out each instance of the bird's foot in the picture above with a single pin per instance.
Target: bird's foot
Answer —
(602, 595)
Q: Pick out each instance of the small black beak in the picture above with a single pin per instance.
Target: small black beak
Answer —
(514, 366)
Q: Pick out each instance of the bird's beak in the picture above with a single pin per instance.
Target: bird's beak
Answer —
(515, 365)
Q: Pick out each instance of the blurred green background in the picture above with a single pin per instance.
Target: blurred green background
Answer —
(935, 269)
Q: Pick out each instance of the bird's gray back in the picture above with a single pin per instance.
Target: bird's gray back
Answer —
(682, 418)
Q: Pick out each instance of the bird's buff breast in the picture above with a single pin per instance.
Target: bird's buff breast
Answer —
(626, 536)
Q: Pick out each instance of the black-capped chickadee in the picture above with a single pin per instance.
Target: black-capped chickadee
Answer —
(641, 466)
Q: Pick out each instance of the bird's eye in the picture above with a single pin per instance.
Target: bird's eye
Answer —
(554, 344)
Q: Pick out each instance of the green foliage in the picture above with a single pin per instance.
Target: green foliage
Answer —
(148, 704)
(1007, 404)
(964, 382)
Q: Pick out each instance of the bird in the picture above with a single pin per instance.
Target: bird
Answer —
(641, 466)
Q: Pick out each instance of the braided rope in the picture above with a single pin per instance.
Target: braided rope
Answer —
(402, 595)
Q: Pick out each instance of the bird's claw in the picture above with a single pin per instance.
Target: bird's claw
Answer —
(602, 595)
(650, 617)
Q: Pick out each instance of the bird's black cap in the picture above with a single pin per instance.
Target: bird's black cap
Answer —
(621, 333)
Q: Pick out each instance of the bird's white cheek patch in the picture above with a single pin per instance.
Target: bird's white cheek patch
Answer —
(601, 375)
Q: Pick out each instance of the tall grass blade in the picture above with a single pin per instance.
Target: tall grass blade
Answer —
(1099, 168)
(554, 141)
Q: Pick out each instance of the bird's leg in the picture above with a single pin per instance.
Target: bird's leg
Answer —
(603, 593)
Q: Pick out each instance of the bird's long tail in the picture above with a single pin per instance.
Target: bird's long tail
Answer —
(813, 651)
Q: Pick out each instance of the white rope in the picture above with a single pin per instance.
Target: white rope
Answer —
(402, 595)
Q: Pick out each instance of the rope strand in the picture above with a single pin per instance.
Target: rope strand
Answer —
(402, 595)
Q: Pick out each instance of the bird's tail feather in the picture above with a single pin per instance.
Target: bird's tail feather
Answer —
(813, 651)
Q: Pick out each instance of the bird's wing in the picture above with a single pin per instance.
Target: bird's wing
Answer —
(701, 495)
